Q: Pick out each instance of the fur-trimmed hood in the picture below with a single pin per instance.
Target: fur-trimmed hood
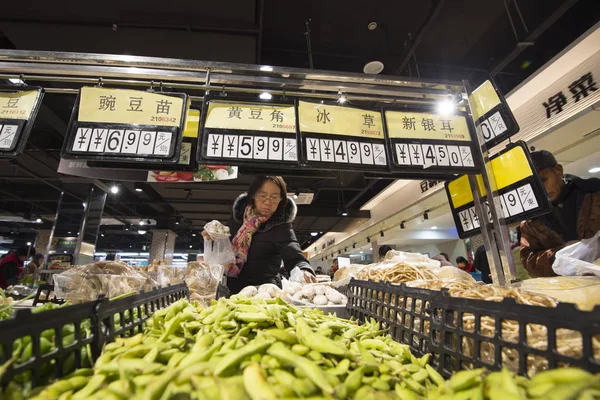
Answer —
(286, 217)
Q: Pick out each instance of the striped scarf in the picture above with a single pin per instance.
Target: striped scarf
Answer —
(243, 239)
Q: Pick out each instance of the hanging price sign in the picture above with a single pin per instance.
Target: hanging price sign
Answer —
(430, 143)
(18, 108)
(521, 192)
(339, 137)
(249, 133)
(126, 125)
(493, 119)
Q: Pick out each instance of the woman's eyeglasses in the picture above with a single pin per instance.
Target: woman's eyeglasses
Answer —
(262, 197)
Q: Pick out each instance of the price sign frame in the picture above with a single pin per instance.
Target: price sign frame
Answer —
(498, 122)
(364, 146)
(24, 126)
(109, 156)
(507, 196)
(273, 142)
(187, 141)
(437, 148)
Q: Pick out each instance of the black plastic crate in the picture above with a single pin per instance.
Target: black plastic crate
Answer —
(90, 325)
(49, 295)
(526, 339)
(222, 291)
(126, 316)
(464, 333)
(404, 311)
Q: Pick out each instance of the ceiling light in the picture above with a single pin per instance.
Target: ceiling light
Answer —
(446, 107)
(114, 189)
(65, 252)
(594, 170)
(127, 227)
(402, 225)
(190, 246)
(28, 243)
(372, 26)
(265, 96)
(373, 67)
(38, 220)
(368, 240)
(371, 249)
(142, 232)
(102, 234)
(353, 245)
(84, 204)
(177, 220)
(16, 81)
(138, 187)
(296, 195)
(142, 222)
(267, 68)
(425, 216)
(69, 232)
(193, 234)
(344, 212)
(342, 97)
(382, 234)
(361, 252)
(314, 233)
(320, 233)
(130, 246)
(434, 227)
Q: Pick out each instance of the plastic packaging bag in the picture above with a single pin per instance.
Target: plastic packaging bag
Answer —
(581, 258)
(581, 290)
(297, 275)
(219, 251)
(202, 280)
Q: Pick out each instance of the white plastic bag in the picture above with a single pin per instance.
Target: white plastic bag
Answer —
(297, 275)
(219, 252)
(579, 259)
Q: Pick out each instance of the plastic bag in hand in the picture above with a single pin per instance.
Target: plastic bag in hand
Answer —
(580, 258)
(219, 251)
(297, 275)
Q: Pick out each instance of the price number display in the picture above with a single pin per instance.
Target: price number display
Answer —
(341, 137)
(18, 109)
(428, 142)
(521, 194)
(142, 126)
(247, 133)
(494, 120)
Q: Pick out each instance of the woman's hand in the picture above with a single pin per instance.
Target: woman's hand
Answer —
(309, 278)
(206, 236)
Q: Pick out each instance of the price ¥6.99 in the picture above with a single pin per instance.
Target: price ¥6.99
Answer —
(122, 141)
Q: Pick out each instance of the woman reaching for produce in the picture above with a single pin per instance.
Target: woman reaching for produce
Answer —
(263, 236)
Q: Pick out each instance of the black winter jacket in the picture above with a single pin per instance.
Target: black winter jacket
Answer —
(274, 241)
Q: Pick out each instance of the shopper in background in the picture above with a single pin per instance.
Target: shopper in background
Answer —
(446, 256)
(443, 261)
(383, 250)
(334, 268)
(263, 236)
(480, 262)
(319, 271)
(36, 263)
(11, 266)
(522, 273)
(464, 264)
(575, 216)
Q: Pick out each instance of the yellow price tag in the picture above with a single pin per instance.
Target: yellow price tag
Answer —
(338, 120)
(251, 117)
(483, 99)
(18, 105)
(416, 125)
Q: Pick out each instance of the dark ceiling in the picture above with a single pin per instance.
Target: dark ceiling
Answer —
(435, 39)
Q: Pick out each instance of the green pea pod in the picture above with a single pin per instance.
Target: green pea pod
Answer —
(465, 379)
(435, 376)
(406, 394)
(341, 368)
(310, 369)
(155, 390)
(26, 354)
(152, 355)
(192, 358)
(256, 384)
(366, 358)
(94, 383)
(281, 335)
(354, 379)
(235, 358)
(252, 317)
(284, 377)
(195, 369)
(172, 325)
(317, 342)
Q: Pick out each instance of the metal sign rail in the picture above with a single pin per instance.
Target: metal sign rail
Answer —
(334, 121)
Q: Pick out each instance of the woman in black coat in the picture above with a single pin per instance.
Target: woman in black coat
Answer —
(263, 237)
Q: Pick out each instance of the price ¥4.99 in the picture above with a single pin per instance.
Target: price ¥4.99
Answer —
(345, 151)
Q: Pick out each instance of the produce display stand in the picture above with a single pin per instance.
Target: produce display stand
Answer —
(104, 319)
(431, 321)
(45, 293)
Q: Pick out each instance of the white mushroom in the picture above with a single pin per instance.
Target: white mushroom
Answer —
(334, 296)
(308, 292)
(263, 295)
(249, 291)
(320, 300)
(271, 289)
(320, 289)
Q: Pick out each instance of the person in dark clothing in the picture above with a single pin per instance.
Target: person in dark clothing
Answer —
(480, 262)
(383, 250)
(575, 215)
(263, 237)
(11, 266)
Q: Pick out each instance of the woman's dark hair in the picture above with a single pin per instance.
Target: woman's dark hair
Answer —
(257, 184)
(461, 260)
(519, 234)
(38, 256)
(446, 256)
(383, 250)
(24, 251)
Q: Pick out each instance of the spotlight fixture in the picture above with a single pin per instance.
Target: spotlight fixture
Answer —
(38, 220)
(266, 68)
(127, 227)
(296, 195)
(313, 234)
(372, 26)
(342, 97)
(190, 246)
(141, 232)
(194, 234)
(344, 212)
(177, 220)
(28, 243)
(426, 215)
(446, 107)
(148, 222)
(345, 249)
(114, 189)
(402, 224)
(142, 222)
(382, 234)
(353, 245)
(368, 240)
(138, 187)
(102, 234)
(265, 96)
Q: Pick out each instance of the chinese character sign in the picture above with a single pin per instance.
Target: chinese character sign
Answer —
(414, 125)
(338, 120)
(578, 90)
(251, 117)
(18, 105)
(129, 107)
